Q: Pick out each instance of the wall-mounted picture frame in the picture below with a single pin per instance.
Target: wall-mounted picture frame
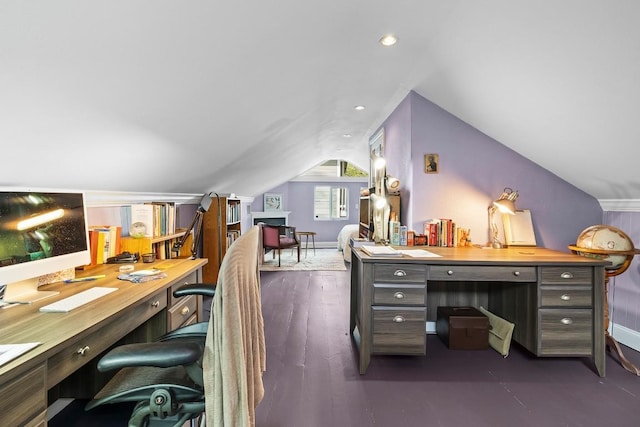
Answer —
(431, 163)
(272, 201)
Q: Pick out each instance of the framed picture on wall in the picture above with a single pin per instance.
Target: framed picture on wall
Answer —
(272, 201)
(431, 163)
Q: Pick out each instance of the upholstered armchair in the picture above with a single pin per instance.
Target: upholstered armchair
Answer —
(278, 237)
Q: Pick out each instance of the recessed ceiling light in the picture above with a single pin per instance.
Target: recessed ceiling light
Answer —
(388, 40)
(346, 135)
(359, 107)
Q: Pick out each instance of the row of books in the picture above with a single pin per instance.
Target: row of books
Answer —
(232, 235)
(398, 233)
(233, 213)
(159, 218)
(436, 232)
(445, 232)
(104, 242)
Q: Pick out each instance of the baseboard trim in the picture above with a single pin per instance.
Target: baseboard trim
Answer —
(625, 336)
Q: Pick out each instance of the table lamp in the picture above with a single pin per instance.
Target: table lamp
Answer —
(506, 205)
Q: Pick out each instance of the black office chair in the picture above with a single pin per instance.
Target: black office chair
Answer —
(167, 379)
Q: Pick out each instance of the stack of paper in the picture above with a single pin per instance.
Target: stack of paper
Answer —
(379, 250)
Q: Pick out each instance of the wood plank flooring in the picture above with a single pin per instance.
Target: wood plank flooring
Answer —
(312, 377)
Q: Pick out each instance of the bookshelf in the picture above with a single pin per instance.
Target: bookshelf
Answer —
(220, 227)
(159, 245)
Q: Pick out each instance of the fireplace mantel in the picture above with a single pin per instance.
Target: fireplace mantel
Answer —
(277, 216)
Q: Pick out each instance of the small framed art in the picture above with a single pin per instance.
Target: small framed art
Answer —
(272, 201)
(431, 163)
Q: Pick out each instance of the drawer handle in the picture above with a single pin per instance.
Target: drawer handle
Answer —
(398, 295)
(398, 319)
(83, 350)
(155, 304)
(565, 297)
(399, 273)
(566, 275)
(184, 311)
(450, 272)
(516, 273)
(566, 321)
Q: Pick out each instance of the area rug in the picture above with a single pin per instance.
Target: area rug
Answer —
(323, 260)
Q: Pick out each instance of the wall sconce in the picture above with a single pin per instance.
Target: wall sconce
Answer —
(504, 204)
(392, 184)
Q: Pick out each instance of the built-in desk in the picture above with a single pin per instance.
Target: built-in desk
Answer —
(554, 298)
(71, 340)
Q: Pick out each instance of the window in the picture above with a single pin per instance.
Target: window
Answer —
(330, 203)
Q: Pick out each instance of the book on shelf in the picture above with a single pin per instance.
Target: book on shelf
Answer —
(394, 232)
(143, 214)
(104, 242)
(380, 250)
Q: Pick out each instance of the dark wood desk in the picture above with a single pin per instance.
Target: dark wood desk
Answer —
(71, 340)
(554, 298)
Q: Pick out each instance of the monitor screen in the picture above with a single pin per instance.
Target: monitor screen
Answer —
(41, 232)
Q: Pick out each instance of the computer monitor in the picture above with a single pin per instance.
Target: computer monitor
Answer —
(41, 232)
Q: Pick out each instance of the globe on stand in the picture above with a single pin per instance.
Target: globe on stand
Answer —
(611, 244)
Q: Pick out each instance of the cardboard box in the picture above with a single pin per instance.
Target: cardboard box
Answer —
(463, 328)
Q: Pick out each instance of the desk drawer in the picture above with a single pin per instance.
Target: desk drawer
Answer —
(24, 398)
(565, 296)
(400, 273)
(396, 294)
(191, 278)
(399, 331)
(182, 311)
(570, 274)
(482, 273)
(82, 350)
(565, 332)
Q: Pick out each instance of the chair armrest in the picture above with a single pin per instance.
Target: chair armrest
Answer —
(158, 354)
(197, 331)
(204, 289)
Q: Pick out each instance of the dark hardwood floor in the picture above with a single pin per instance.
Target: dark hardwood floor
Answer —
(312, 377)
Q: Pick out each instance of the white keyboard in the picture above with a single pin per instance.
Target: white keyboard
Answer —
(74, 301)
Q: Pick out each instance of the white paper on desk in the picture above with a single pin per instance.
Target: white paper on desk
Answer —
(380, 250)
(419, 253)
(9, 352)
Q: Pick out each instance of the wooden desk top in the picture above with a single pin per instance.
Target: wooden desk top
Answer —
(479, 256)
(24, 323)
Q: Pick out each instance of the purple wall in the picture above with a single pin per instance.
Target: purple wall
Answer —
(474, 169)
(624, 290)
(298, 198)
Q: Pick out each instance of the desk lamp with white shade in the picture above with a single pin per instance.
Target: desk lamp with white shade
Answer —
(505, 204)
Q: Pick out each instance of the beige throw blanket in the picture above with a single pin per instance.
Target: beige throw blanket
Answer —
(235, 354)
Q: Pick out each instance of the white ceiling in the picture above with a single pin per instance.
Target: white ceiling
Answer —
(194, 96)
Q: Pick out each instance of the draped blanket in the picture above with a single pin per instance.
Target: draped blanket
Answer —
(235, 354)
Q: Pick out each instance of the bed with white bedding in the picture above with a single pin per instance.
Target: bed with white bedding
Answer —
(348, 231)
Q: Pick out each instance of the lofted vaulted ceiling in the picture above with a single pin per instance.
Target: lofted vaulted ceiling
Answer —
(195, 96)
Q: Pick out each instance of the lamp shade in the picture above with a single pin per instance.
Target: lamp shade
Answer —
(505, 206)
